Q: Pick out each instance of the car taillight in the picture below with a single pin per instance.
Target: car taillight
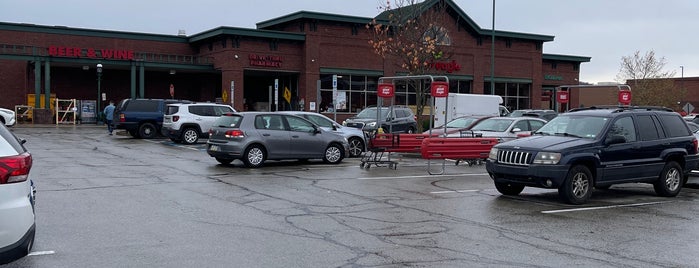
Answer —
(695, 142)
(122, 118)
(235, 133)
(175, 118)
(15, 168)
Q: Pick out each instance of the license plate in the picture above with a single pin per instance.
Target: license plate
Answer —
(214, 148)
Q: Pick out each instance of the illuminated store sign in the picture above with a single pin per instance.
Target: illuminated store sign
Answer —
(77, 52)
(265, 61)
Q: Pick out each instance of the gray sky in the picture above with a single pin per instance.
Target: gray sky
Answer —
(605, 30)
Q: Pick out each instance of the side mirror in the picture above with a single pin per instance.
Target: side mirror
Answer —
(615, 139)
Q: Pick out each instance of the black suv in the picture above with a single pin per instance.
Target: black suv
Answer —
(598, 147)
(543, 114)
(142, 118)
(392, 119)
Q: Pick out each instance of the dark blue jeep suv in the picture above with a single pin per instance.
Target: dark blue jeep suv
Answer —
(598, 147)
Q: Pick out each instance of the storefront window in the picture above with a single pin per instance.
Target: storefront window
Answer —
(515, 95)
(354, 93)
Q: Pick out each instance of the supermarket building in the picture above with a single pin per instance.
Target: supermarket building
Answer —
(294, 56)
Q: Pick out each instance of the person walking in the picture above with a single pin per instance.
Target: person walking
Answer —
(109, 116)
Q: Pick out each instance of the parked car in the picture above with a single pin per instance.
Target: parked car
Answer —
(693, 127)
(142, 118)
(355, 137)
(7, 117)
(255, 137)
(507, 128)
(543, 114)
(457, 126)
(188, 122)
(598, 147)
(17, 226)
(392, 119)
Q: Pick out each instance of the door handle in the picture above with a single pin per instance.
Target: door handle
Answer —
(266, 135)
(294, 136)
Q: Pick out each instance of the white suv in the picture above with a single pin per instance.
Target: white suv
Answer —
(16, 198)
(187, 122)
(7, 117)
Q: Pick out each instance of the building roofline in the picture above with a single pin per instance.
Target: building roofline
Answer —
(312, 15)
(560, 57)
(28, 27)
(223, 30)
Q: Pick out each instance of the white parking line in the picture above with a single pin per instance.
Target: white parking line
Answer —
(39, 253)
(454, 191)
(603, 207)
(422, 176)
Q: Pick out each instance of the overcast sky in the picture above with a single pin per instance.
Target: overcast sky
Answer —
(605, 30)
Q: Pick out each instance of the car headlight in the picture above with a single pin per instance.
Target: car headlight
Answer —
(493, 155)
(344, 123)
(371, 124)
(547, 158)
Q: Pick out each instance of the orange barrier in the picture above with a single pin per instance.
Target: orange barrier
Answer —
(457, 148)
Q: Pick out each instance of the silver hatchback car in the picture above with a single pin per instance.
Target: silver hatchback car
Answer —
(255, 137)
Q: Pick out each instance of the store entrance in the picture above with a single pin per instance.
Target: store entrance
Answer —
(259, 93)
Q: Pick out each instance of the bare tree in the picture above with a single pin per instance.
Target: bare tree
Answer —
(649, 82)
(410, 33)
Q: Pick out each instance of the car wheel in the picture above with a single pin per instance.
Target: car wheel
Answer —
(147, 131)
(254, 156)
(224, 161)
(333, 154)
(411, 130)
(190, 136)
(577, 188)
(356, 147)
(508, 189)
(670, 181)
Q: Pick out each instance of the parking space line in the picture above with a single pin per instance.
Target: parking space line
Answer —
(39, 253)
(422, 176)
(602, 207)
(454, 191)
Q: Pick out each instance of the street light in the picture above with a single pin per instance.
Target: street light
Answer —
(99, 94)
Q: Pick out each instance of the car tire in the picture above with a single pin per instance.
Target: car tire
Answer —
(410, 130)
(254, 156)
(508, 188)
(577, 187)
(190, 136)
(356, 147)
(224, 161)
(333, 154)
(670, 181)
(147, 131)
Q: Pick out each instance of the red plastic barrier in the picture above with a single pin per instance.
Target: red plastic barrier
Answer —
(457, 148)
(399, 143)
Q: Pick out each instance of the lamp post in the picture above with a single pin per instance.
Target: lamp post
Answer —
(99, 94)
(682, 70)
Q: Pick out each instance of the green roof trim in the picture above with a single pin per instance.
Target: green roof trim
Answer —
(572, 58)
(24, 27)
(314, 16)
(507, 80)
(350, 71)
(247, 32)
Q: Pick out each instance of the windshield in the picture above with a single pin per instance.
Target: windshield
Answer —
(517, 113)
(494, 124)
(371, 113)
(588, 127)
(461, 122)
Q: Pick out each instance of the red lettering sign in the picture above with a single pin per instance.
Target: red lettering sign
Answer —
(385, 90)
(448, 67)
(562, 96)
(625, 97)
(265, 61)
(76, 52)
(440, 89)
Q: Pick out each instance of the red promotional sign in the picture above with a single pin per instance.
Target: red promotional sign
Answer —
(625, 97)
(562, 96)
(385, 90)
(440, 89)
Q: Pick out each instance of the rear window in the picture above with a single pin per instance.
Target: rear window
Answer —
(229, 121)
(674, 126)
(9, 145)
(143, 105)
(172, 109)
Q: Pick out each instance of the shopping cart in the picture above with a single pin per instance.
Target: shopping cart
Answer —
(379, 151)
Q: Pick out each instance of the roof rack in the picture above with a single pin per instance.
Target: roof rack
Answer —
(620, 108)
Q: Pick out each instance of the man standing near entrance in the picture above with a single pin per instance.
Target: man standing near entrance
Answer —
(109, 116)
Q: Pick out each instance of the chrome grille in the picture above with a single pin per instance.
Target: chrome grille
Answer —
(514, 158)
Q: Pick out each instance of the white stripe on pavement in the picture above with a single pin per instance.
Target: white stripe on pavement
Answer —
(39, 253)
(422, 176)
(602, 207)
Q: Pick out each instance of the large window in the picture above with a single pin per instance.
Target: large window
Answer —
(354, 92)
(515, 96)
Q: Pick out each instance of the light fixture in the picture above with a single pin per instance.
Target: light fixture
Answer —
(236, 56)
(172, 71)
(85, 67)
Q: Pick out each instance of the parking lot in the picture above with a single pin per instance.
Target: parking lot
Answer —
(115, 201)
